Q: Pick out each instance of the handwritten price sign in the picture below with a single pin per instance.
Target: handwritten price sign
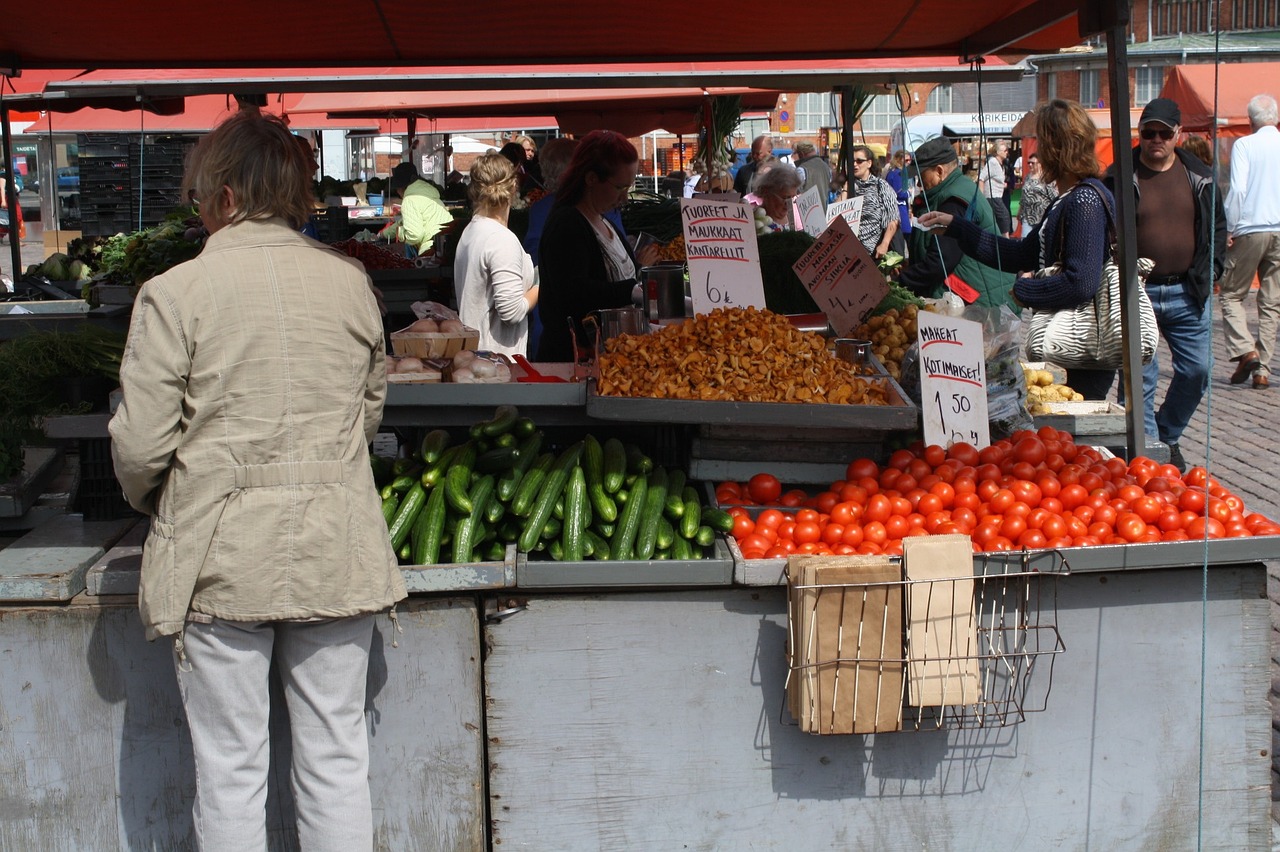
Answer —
(809, 215)
(953, 380)
(841, 276)
(724, 259)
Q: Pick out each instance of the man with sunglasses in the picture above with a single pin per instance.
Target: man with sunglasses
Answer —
(1253, 218)
(1180, 219)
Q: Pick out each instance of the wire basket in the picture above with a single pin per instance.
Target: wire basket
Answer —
(862, 659)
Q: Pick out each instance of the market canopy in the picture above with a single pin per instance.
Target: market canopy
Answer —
(301, 33)
(200, 114)
(628, 111)
(1192, 87)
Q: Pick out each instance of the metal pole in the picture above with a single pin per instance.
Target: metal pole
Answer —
(846, 133)
(11, 192)
(1126, 224)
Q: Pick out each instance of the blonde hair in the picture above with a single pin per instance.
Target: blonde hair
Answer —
(521, 139)
(259, 160)
(493, 183)
(1066, 140)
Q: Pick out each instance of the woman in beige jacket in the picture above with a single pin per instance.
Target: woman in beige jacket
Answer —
(253, 382)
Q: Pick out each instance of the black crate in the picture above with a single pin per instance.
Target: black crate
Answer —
(98, 495)
(117, 150)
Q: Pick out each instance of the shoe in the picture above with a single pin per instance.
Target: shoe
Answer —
(1260, 381)
(1248, 363)
(1176, 459)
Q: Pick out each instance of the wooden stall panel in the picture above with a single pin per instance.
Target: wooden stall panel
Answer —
(657, 721)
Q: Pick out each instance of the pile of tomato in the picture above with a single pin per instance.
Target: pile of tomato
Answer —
(1032, 490)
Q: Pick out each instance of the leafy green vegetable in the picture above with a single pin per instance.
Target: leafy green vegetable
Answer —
(898, 297)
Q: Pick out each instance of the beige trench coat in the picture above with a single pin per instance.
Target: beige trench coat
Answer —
(254, 379)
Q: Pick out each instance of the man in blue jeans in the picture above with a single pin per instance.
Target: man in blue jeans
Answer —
(1182, 228)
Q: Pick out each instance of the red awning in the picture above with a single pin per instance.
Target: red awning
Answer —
(32, 92)
(200, 114)
(315, 33)
(1192, 88)
(628, 111)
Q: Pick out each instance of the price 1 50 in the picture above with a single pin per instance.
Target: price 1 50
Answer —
(958, 404)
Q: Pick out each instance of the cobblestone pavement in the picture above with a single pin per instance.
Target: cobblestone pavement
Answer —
(1235, 430)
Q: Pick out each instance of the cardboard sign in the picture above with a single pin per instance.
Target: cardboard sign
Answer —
(807, 212)
(842, 277)
(724, 259)
(943, 650)
(953, 380)
(850, 210)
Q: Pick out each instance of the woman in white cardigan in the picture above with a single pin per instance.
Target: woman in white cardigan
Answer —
(493, 274)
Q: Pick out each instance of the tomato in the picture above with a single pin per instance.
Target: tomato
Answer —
(919, 468)
(1047, 433)
(1072, 495)
(1130, 527)
(843, 513)
(1267, 529)
(854, 494)
(999, 543)
(1027, 492)
(1158, 485)
(1032, 539)
(786, 530)
(869, 548)
(987, 489)
(1196, 476)
(928, 503)
(1099, 530)
(901, 458)
(769, 519)
(1175, 535)
(852, 535)
(1129, 493)
(896, 527)
(764, 488)
(1012, 527)
(1076, 527)
(1037, 517)
(755, 542)
(869, 484)
(927, 482)
(1218, 509)
(934, 520)
(1148, 508)
(1054, 527)
(878, 508)
(737, 512)
(777, 552)
(1106, 514)
(806, 532)
(861, 469)
(874, 532)
(1002, 500)
(1234, 502)
(727, 493)
(1024, 470)
(1117, 467)
(826, 500)
(964, 484)
(900, 506)
(793, 498)
(1192, 500)
(1048, 484)
(743, 526)
(889, 476)
(1030, 450)
(1203, 527)
(832, 534)
(965, 453)
(964, 518)
(945, 492)
(992, 454)
(1170, 519)
(1052, 505)
(1019, 509)
(806, 516)
(905, 483)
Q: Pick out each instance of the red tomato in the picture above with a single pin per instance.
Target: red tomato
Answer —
(1192, 500)
(1027, 492)
(852, 535)
(786, 530)
(832, 534)
(1052, 505)
(1131, 527)
(945, 492)
(764, 488)
(755, 542)
(843, 513)
(793, 498)
(1170, 519)
(901, 458)
(1037, 517)
(896, 527)
(861, 469)
(1218, 509)
(900, 506)
(965, 518)
(878, 508)
(1130, 493)
(1030, 449)
(1072, 496)
(1148, 508)
(965, 453)
(806, 516)
(777, 552)
(919, 469)
(806, 532)
(1032, 539)
(826, 500)
(1203, 527)
(743, 526)
(1054, 527)
(929, 503)
(1002, 500)
(874, 532)
(1012, 527)
(1196, 476)
(769, 519)
(737, 512)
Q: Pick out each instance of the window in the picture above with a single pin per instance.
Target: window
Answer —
(1147, 83)
(881, 114)
(1051, 85)
(939, 99)
(1089, 87)
(813, 111)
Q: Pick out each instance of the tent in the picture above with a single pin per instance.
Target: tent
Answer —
(1192, 88)
(1025, 130)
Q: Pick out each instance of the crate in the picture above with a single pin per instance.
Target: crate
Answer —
(98, 494)
(433, 345)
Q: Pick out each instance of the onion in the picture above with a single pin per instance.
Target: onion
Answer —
(483, 368)
(452, 326)
(464, 375)
(392, 364)
(503, 372)
(410, 364)
(464, 358)
(424, 326)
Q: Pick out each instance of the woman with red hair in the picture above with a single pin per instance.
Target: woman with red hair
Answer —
(585, 263)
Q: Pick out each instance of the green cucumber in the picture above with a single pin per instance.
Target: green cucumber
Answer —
(525, 427)
(682, 549)
(405, 553)
(434, 443)
(624, 535)
(480, 495)
(718, 519)
(558, 511)
(402, 484)
(436, 470)
(706, 536)
(389, 505)
(551, 529)
(500, 458)
(637, 461)
(599, 547)
(507, 439)
(429, 529)
(509, 529)
(462, 538)
(457, 479)
(575, 516)
(674, 508)
(606, 528)
(666, 534)
(496, 551)
(504, 418)
(527, 494)
(386, 492)
(593, 469)
(655, 500)
(691, 519)
(495, 511)
(406, 466)
(555, 550)
(555, 482)
(381, 467)
(405, 515)
(510, 480)
(615, 465)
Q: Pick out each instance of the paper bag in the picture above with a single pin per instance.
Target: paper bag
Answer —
(942, 641)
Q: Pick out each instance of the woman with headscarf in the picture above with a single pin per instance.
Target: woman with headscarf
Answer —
(879, 203)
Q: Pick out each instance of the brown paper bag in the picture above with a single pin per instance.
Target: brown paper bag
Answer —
(847, 663)
(942, 641)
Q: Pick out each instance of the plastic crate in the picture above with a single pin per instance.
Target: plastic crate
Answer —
(99, 496)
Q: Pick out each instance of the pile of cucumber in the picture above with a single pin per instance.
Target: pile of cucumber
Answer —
(465, 502)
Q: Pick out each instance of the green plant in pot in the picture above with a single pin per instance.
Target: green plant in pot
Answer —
(52, 372)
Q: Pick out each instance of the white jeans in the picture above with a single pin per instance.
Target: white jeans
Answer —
(223, 682)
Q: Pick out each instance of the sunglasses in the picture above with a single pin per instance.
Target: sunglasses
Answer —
(860, 160)
(1165, 133)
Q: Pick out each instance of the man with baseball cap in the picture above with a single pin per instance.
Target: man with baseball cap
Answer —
(1180, 220)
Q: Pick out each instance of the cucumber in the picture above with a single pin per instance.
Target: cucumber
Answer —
(389, 505)
(691, 519)
(428, 530)
(606, 528)
(480, 495)
(507, 439)
(401, 484)
(495, 511)
(588, 545)
(504, 418)
(718, 519)
(524, 427)
(555, 550)
(593, 469)
(402, 467)
(436, 470)
(661, 555)
(530, 485)
(615, 465)
(551, 529)
(706, 536)
(528, 454)
(666, 534)
(405, 515)
(637, 461)
(555, 482)
(434, 443)
(381, 467)
(558, 511)
(386, 492)
(509, 529)
(457, 479)
(575, 516)
(621, 498)
(461, 538)
(599, 547)
(624, 535)
(682, 549)
(500, 458)
(655, 500)
(674, 508)
(405, 553)
(496, 551)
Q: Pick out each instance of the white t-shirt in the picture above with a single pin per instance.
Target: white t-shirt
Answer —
(992, 176)
(492, 272)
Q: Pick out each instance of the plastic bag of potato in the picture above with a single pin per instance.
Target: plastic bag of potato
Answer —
(1042, 390)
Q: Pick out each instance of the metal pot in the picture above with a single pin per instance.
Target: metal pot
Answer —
(664, 288)
(608, 323)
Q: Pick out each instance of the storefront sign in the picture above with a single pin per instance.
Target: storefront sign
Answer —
(724, 259)
(842, 277)
(953, 380)
(808, 212)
